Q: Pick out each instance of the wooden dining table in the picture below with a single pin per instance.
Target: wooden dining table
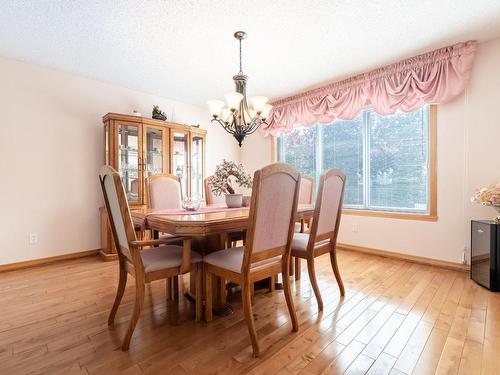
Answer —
(208, 230)
(202, 224)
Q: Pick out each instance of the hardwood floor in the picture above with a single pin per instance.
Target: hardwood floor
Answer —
(396, 318)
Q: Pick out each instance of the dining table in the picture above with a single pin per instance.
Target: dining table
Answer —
(214, 221)
(208, 226)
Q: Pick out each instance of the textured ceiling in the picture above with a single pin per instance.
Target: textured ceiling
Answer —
(185, 50)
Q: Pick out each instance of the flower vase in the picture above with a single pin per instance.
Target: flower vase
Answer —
(246, 201)
(234, 200)
(497, 218)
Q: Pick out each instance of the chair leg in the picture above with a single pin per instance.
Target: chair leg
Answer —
(199, 293)
(314, 282)
(208, 296)
(175, 288)
(288, 297)
(222, 291)
(252, 291)
(297, 268)
(247, 308)
(168, 289)
(119, 294)
(302, 226)
(335, 266)
(139, 303)
(272, 281)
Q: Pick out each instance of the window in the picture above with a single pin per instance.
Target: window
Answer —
(388, 159)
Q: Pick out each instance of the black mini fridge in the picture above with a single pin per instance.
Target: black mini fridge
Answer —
(485, 254)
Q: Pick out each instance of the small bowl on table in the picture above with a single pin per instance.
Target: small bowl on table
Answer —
(191, 204)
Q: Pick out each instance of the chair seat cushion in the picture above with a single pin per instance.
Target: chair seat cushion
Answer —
(166, 256)
(231, 259)
(299, 244)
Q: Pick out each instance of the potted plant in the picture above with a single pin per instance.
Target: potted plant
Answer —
(222, 184)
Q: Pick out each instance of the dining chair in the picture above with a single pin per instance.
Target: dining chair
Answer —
(305, 197)
(209, 194)
(272, 216)
(322, 238)
(145, 266)
(164, 191)
(231, 238)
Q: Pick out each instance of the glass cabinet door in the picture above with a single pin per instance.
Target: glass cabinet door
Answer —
(129, 161)
(179, 146)
(154, 150)
(197, 150)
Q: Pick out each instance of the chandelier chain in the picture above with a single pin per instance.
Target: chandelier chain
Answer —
(241, 69)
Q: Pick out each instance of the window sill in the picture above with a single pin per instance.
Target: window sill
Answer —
(391, 215)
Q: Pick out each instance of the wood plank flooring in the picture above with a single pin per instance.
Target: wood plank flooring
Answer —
(396, 318)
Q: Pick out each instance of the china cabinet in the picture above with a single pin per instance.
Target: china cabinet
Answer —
(139, 147)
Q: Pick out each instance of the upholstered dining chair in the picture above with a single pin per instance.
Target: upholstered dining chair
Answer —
(322, 238)
(209, 194)
(163, 191)
(147, 265)
(232, 237)
(267, 251)
(305, 195)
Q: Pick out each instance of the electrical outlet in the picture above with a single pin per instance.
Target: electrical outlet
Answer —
(354, 228)
(33, 238)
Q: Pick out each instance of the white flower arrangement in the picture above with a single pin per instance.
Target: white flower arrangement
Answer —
(221, 183)
(489, 196)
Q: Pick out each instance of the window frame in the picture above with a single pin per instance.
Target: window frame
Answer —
(428, 216)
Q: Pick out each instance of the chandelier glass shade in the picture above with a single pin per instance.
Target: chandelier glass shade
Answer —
(234, 114)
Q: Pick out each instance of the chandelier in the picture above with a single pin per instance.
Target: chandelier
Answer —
(234, 115)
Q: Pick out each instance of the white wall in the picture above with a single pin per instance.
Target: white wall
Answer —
(468, 157)
(51, 148)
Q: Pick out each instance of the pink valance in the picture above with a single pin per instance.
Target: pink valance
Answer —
(434, 78)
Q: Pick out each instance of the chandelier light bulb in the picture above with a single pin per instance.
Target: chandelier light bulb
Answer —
(226, 114)
(215, 107)
(233, 100)
(266, 110)
(259, 103)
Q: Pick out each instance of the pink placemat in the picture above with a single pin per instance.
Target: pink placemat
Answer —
(181, 211)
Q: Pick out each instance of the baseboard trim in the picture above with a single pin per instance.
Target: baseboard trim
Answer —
(44, 261)
(108, 257)
(406, 257)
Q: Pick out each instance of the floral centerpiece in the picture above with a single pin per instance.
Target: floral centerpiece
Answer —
(222, 184)
(489, 196)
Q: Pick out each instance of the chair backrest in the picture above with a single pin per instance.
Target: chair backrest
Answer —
(118, 211)
(306, 190)
(328, 207)
(209, 194)
(163, 191)
(272, 214)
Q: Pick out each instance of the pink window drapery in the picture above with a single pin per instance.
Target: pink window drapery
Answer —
(435, 77)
